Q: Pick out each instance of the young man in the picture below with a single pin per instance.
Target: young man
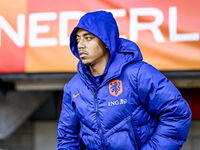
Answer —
(117, 101)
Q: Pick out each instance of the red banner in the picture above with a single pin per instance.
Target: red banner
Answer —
(34, 34)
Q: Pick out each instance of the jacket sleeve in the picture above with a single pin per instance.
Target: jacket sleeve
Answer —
(68, 126)
(162, 100)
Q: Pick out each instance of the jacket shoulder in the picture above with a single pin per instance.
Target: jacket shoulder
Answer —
(133, 68)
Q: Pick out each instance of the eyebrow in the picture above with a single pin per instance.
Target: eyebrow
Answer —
(85, 34)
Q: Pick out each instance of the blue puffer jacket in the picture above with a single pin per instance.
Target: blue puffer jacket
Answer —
(134, 107)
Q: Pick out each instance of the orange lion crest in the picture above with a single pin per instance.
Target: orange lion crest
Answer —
(115, 87)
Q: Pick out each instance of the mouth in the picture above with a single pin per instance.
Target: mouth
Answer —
(82, 53)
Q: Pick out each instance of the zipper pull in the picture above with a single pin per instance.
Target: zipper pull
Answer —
(95, 95)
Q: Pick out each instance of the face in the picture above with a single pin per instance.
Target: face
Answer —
(92, 50)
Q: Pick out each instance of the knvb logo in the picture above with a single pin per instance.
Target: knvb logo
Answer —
(115, 87)
(117, 102)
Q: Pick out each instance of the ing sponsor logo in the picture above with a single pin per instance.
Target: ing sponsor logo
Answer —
(115, 87)
(117, 102)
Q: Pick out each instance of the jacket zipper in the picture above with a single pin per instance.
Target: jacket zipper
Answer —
(98, 120)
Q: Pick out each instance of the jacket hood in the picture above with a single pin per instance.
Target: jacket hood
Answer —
(122, 51)
(103, 25)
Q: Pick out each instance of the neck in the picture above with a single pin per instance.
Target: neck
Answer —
(98, 69)
(99, 66)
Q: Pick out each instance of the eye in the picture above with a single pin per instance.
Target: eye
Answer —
(77, 40)
(88, 38)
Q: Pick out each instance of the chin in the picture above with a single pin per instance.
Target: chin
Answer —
(86, 63)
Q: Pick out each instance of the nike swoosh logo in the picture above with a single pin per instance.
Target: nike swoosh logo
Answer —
(74, 96)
